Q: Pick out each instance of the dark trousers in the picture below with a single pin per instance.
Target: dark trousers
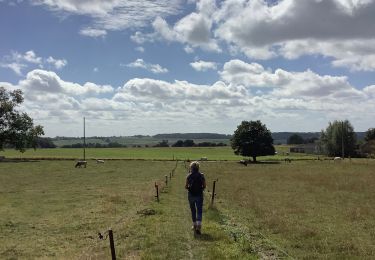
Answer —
(196, 204)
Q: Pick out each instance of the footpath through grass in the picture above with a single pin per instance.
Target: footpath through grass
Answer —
(168, 235)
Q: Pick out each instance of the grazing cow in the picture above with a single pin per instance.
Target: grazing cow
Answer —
(337, 159)
(244, 162)
(204, 159)
(99, 161)
(288, 160)
(79, 164)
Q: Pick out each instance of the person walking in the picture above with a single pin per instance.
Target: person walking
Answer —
(195, 184)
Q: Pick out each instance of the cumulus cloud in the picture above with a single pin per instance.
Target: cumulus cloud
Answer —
(193, 30)
(338, 29)
(203, 65)
(41, 81)
(306, 84)
(140, 63)
(305, 99)
(17, 61)
(334, 28)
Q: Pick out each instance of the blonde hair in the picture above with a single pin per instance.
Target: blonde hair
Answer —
(194, 166)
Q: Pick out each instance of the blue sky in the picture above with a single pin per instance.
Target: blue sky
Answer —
(147, 67)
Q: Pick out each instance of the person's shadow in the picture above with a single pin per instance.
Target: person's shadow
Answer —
(204, 237)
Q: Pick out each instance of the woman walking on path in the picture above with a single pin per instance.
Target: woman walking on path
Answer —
(195, 184)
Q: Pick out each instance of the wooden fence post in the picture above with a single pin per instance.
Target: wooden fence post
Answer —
(170, 175)
(112, 244)
(213, 193)
(166, 180)
(157, 192)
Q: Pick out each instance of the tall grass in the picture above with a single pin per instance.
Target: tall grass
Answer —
(51, 209)
(310, 209)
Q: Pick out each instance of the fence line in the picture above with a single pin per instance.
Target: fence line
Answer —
(103, 235)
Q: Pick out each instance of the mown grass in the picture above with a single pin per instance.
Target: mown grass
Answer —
(302, 210)
(50, 209)
(307, 209)
(168, 153)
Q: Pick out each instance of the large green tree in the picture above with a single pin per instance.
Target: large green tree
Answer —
(295, 139)
(252, 139)
(370, 135)
(339, 139)
(16, 128)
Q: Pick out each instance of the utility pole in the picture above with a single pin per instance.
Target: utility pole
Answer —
(342, 140)
(84, 138)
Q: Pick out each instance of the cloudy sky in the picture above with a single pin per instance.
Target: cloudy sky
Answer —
(147, 67)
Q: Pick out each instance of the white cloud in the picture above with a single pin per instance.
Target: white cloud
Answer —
(16, 67)
(306, 84)
(193, 29)
(30, 57)
(18, 61)
(203, 65)
(341, 29)
(154, 68)
(306, 100)
(141, 38)
(91, 32)
(140, 49)
(95, 69)
(56, 62)
(113, 15)
(41, 81)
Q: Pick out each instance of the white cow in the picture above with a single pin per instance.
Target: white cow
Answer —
(337, 159)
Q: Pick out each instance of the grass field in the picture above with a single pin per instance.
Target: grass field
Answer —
(309, 209)
(170, 153)
(306, 209)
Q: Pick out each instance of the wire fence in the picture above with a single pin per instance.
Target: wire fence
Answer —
(160, 184)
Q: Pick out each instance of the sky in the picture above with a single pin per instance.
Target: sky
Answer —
(147, 67)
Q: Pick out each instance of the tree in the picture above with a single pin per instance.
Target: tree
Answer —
(189, 143)
(179, 143)
(163, 143)
(252, 138)
(16, 128)
(45, 143)
(370, 135)
(339, 139)
(295, 139)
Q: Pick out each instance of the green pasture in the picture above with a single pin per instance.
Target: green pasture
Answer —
(154, 153)
(307, 209)
(51, 209)
(301, 210)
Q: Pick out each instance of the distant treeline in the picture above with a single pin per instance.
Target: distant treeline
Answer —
(163, 143)
(189, 143)
(192, 136)
(95, 145)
